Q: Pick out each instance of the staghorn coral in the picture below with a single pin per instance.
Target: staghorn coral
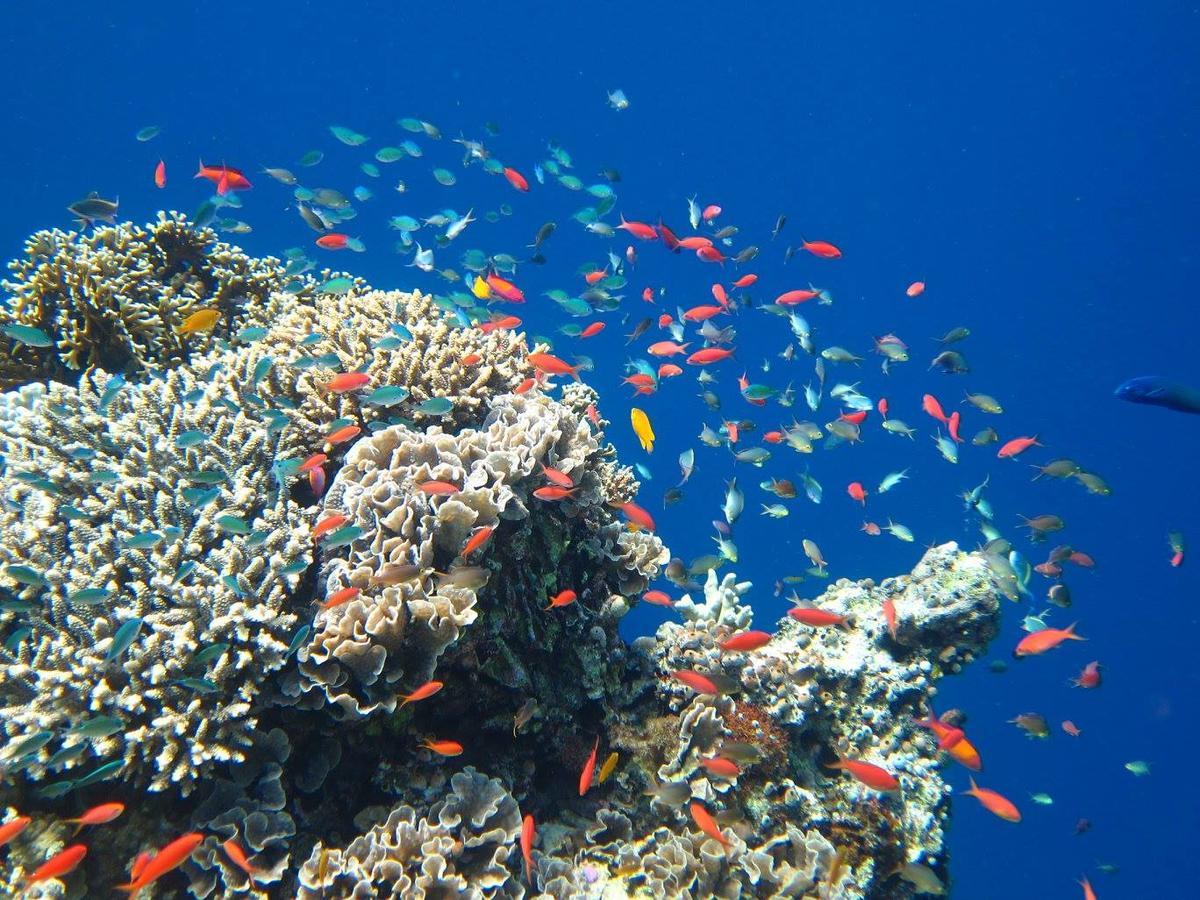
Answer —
(458, 847)
(120, 524)
(114, 298)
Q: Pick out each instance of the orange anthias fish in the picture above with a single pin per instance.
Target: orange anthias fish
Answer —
(711, 254)
(818, 618)
(994, 803)
(226, 178)
(528, 834)
(696, 682)
(1017, 446)
(237, 856)
(667, 348)
(61, 863)
(552, 365)
(333, 241)
(592, 330)
(721, 767)
(706, 823)
(169, 857)
(889, 615)
(346, 382)
(745, 641)
(12, 828)
(954, 742)
(702, 313)
(1046, 639)
(823, 249)
(313, 462)
(563, 598)
(639, 230)
(443, 748)
(875, 777)
(477, 540)
(930, 404)
(424, 692)
(470, 359)
(337, 598)
(709, 355)
(792, 298)
(658, 598)
(916, 289)
(952, 426)
(746, 280)
(589, 767)
(160, 174)
(637, 516)
(98, 815)
(438, 488)
(327, 525)
(553, 492)
(516, 179)
(1088, 893)
(343, 434)
(857, 492)
(505, 289)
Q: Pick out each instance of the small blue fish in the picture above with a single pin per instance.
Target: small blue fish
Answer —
(309, 339)
(97, 727)
(199, 685)
(28, 335)
(207, 476)
(82, 454)
(401, 331)
(114, 386)
(66, 755)
(347, 534)
(143, 540)
(435, 406)
(248, 335)
(298, 640)
(257, 538)
(89, 596)
(391, 342)
(190, 439)
(55, 789)
(295, 567)
(386, 396)
(261, 368)
(103, 476)
(231, 582)
(100, 773)
(123, 639)
(13, 641)
(73, 513)
(232, 524)
(209, 653)
(184, 570)
(27, 745)
(25, 575)
(200, 496)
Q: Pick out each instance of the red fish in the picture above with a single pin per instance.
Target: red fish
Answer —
(745, 281)
(882, 406)
(12, 828)
(746, 640)
(169, 857)
(871, 528)
(709, 355)
(470, 359)
(952, 426)
(710, 212)
(668, 237)
(313, 462)
(438, 488)
(325, 526)
(721, 767)
(477, 540)
(658, 598)
(1089, 677)
(695, 242)
(554, 492)
(854, 418)
(667, 348)
(61, 863)
(1037, 642)
(226, 177)
(916, 289)
(639, 230)
(589, 769)
(791, 298)
(424, 692)
(443, 748)
(668, 370)
(1088, 893)
(818, 618)
(1071, 728)
(592, 330)
(994, 803)
(343, 434)
(346, 382)
(875, 777)
(501, 324)
(528, 834)
(333, 241)
(98, 815)
(316, 482)
(823, 249)
(857, 492)
(706, 823)
(696, 682)
(516, 179)
(648, 297)
(930, 404)
(1017, 446)
(337, 598)
(593, 276)
(505, 289)
(237, 856)
(562, 598)
(160, 174)
(701, 313)
(954, 741)
(710, 254)
(552, 365)
(554, 476)
(718, 291)
(889, 614)
(773, 437)
(637, 516)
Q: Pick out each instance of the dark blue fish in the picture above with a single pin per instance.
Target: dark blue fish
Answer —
(1154, 390)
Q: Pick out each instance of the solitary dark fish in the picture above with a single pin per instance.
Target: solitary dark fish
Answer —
(543, 233)
(93, 208)
(779, 223)
(1154, 390)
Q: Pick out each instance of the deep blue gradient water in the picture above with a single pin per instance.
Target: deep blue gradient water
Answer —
(1035, 164)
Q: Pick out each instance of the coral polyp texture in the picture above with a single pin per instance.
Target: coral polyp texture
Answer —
(378, 708)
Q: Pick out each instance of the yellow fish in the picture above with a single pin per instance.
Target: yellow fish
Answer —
(480, 289)
(641, 427)
(200, 320)
(607, 768)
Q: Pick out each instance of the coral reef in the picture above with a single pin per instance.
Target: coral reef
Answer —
(115, 298)
(167, 627)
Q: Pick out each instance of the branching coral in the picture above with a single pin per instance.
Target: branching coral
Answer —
(115, 298)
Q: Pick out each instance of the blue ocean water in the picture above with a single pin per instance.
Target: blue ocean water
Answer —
(1033, 163)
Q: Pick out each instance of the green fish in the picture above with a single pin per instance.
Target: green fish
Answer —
(347, 534)
(143, 540)
(435, 406)
(298, 640)
(336, 286)
(348, 136)
(29, 744)
(209, 653)
(207, 476)
(100, 773)
(1138, 767)
(28, 335)
(89, 596)
(123, 639)
(311, 158)
(25, 575)
(149, 133)
(55, 789)
(200, 496)
(98, 727)
(190, 439)
(389, 154)
(444, 177)
(199, 685)
(233, 524)
(66, 755)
